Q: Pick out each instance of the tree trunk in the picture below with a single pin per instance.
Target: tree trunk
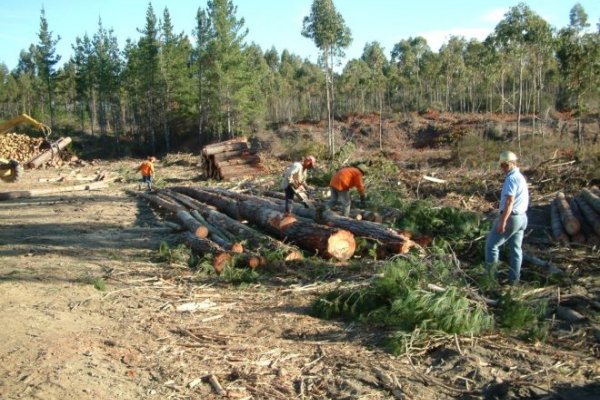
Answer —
(569, 222)
(324, 241)
(49, 154)
(558, 232)
(392, 241)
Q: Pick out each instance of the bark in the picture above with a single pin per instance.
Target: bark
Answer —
(569, 222)
(558, 232)
(22, 194)
(49, 154)
(592, 199)
(250, 159)
(254, 239)
(390, 240)
(324, 241)
(592, 218)
(240, 143)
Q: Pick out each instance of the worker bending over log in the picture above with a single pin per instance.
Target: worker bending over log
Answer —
(341, 183)
(294, 181)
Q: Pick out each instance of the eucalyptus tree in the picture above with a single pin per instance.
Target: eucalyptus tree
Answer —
(353, 85)
(578, 55)
(326, 27)
(46, 60)
(374, 56)
(453, 68)
(517, 34)
(408, 56)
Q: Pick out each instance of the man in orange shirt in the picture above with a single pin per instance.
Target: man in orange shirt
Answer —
(147, 170)
(341, 183)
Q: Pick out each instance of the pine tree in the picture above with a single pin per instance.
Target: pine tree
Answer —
(46, 60)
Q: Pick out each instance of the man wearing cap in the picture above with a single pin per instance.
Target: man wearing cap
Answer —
(341, 183)
(294, 179)
(147, 170)
(510, 225)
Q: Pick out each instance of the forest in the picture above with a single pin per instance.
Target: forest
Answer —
(165, 89)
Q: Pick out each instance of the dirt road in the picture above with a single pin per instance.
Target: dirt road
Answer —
(89, 311)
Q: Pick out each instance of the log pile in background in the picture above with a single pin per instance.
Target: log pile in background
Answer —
(577, 220)
(230, 160)
(31, 151)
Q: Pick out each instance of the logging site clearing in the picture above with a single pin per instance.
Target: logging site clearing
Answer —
(204, 289)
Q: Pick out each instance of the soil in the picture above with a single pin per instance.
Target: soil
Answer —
(90, 311)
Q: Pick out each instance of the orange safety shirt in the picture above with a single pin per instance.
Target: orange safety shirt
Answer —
(147, 168)
(347, 178)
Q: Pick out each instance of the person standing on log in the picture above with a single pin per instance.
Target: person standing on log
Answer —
(510, 225)
(147, 170)
(294, 179)
(341, 183)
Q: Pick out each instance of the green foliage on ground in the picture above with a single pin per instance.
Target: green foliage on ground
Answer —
(400, 300)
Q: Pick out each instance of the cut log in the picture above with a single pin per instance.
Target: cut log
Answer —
(221, 257)
(241, 160)
(186, 219)
(586, 229)
(159, 201)
(254, 239)
(558, 232)
(228, 155)
(391, 241)
(21, 194)
(324, 241)
(592, 199)
(592, 218)
(240, 143)
(47, 155)
(569, 222)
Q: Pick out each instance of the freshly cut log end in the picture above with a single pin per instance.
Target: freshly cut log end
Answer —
(237, 247)
(284, 222)
(256, 261)
(341, 245)
(201, 232)
(294, 255)
(399, 247)
(220, 262)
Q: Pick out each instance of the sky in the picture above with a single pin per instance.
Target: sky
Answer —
(271, 23)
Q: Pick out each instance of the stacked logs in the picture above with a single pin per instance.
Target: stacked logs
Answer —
(577, 220)
(34, 152)
(19, 147)
(232, 159)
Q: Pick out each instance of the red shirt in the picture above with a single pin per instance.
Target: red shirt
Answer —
(347, 178)
(147, 168)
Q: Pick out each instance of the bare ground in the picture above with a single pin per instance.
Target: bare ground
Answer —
(62, 338)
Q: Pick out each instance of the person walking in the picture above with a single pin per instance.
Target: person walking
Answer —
(294, 179)
(510, 225)
(341, 183)
(147, 170)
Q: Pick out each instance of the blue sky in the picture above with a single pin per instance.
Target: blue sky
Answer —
(273, 22)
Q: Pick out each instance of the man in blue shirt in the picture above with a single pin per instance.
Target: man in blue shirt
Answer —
(510, 225)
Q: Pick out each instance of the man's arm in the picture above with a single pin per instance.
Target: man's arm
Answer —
(508, 207)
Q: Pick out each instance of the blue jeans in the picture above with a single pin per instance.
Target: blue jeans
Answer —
(513, 237)
(148, 181)
(343, 197)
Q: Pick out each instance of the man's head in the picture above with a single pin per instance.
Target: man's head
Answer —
(507, 160)
(362, 168)
(309, 162)
(151, 158)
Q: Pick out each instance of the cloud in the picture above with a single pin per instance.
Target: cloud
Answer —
(436, 38)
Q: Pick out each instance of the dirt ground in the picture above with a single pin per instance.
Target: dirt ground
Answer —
(66, 336)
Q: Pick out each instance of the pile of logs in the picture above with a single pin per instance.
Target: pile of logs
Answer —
(230, 160)
(32, 152)
(19, 147)
(577, 220)
(212, 219)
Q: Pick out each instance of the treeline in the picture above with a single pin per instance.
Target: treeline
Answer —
(162, 89)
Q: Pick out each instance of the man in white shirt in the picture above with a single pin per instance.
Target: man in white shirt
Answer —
(294, 179)
(510, 225)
